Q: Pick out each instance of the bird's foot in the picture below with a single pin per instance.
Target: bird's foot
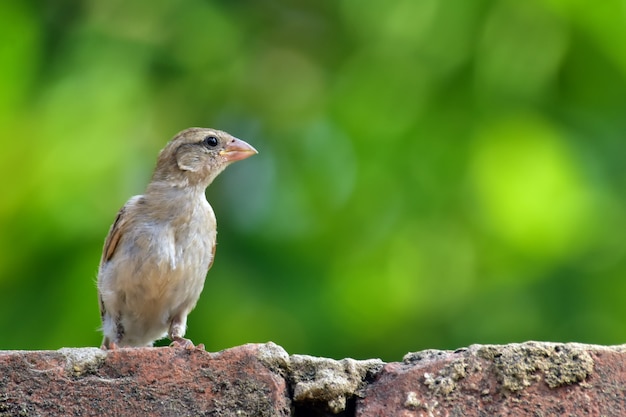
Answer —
(182, 343)
(109, 346)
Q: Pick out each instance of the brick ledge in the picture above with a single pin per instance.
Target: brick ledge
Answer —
(526, 379)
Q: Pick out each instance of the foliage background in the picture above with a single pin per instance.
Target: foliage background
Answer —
(431, 174)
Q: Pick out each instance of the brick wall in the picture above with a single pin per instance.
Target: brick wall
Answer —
(529, 379)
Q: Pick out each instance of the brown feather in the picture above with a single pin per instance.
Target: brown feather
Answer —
(113, 238)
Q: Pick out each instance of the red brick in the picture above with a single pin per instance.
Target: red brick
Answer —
(141, 382)
(530, 379)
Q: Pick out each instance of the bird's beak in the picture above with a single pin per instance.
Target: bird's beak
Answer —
(236, 150)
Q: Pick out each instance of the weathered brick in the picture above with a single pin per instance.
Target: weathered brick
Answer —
(529, 379)
(141, 382)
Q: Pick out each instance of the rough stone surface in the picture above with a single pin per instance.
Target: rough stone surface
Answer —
(328, 384)
(141, 382)
(528, 379)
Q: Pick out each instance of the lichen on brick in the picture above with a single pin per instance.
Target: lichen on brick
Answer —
(412, 402)
(568, 365)
(274, 357)
(424, 355)
(517, 366)
(445, 382)
(330, 382)
(83, 361)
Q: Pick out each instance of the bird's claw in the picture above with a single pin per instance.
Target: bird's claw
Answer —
(109, 346)
(182, 343)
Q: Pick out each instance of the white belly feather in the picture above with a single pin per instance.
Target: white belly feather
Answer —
(157, 272)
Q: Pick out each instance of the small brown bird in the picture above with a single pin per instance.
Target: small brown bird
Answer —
(162, 243)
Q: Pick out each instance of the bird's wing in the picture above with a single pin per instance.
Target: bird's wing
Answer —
(110, 245)
(117, 229)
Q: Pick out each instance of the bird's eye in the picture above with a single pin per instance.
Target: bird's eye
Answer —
(210, 141)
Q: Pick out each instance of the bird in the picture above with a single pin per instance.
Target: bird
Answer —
(162, 243)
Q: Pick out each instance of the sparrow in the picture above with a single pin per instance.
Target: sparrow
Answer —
(162, 243)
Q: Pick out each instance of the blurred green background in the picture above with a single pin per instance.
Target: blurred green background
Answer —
(431, 174)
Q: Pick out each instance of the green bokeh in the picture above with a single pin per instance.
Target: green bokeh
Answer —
(431, 174)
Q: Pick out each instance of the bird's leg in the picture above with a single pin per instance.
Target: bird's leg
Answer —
(108, 344)
(178, 325)
(112, 329)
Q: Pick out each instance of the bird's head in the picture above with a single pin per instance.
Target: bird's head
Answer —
(197, 155)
